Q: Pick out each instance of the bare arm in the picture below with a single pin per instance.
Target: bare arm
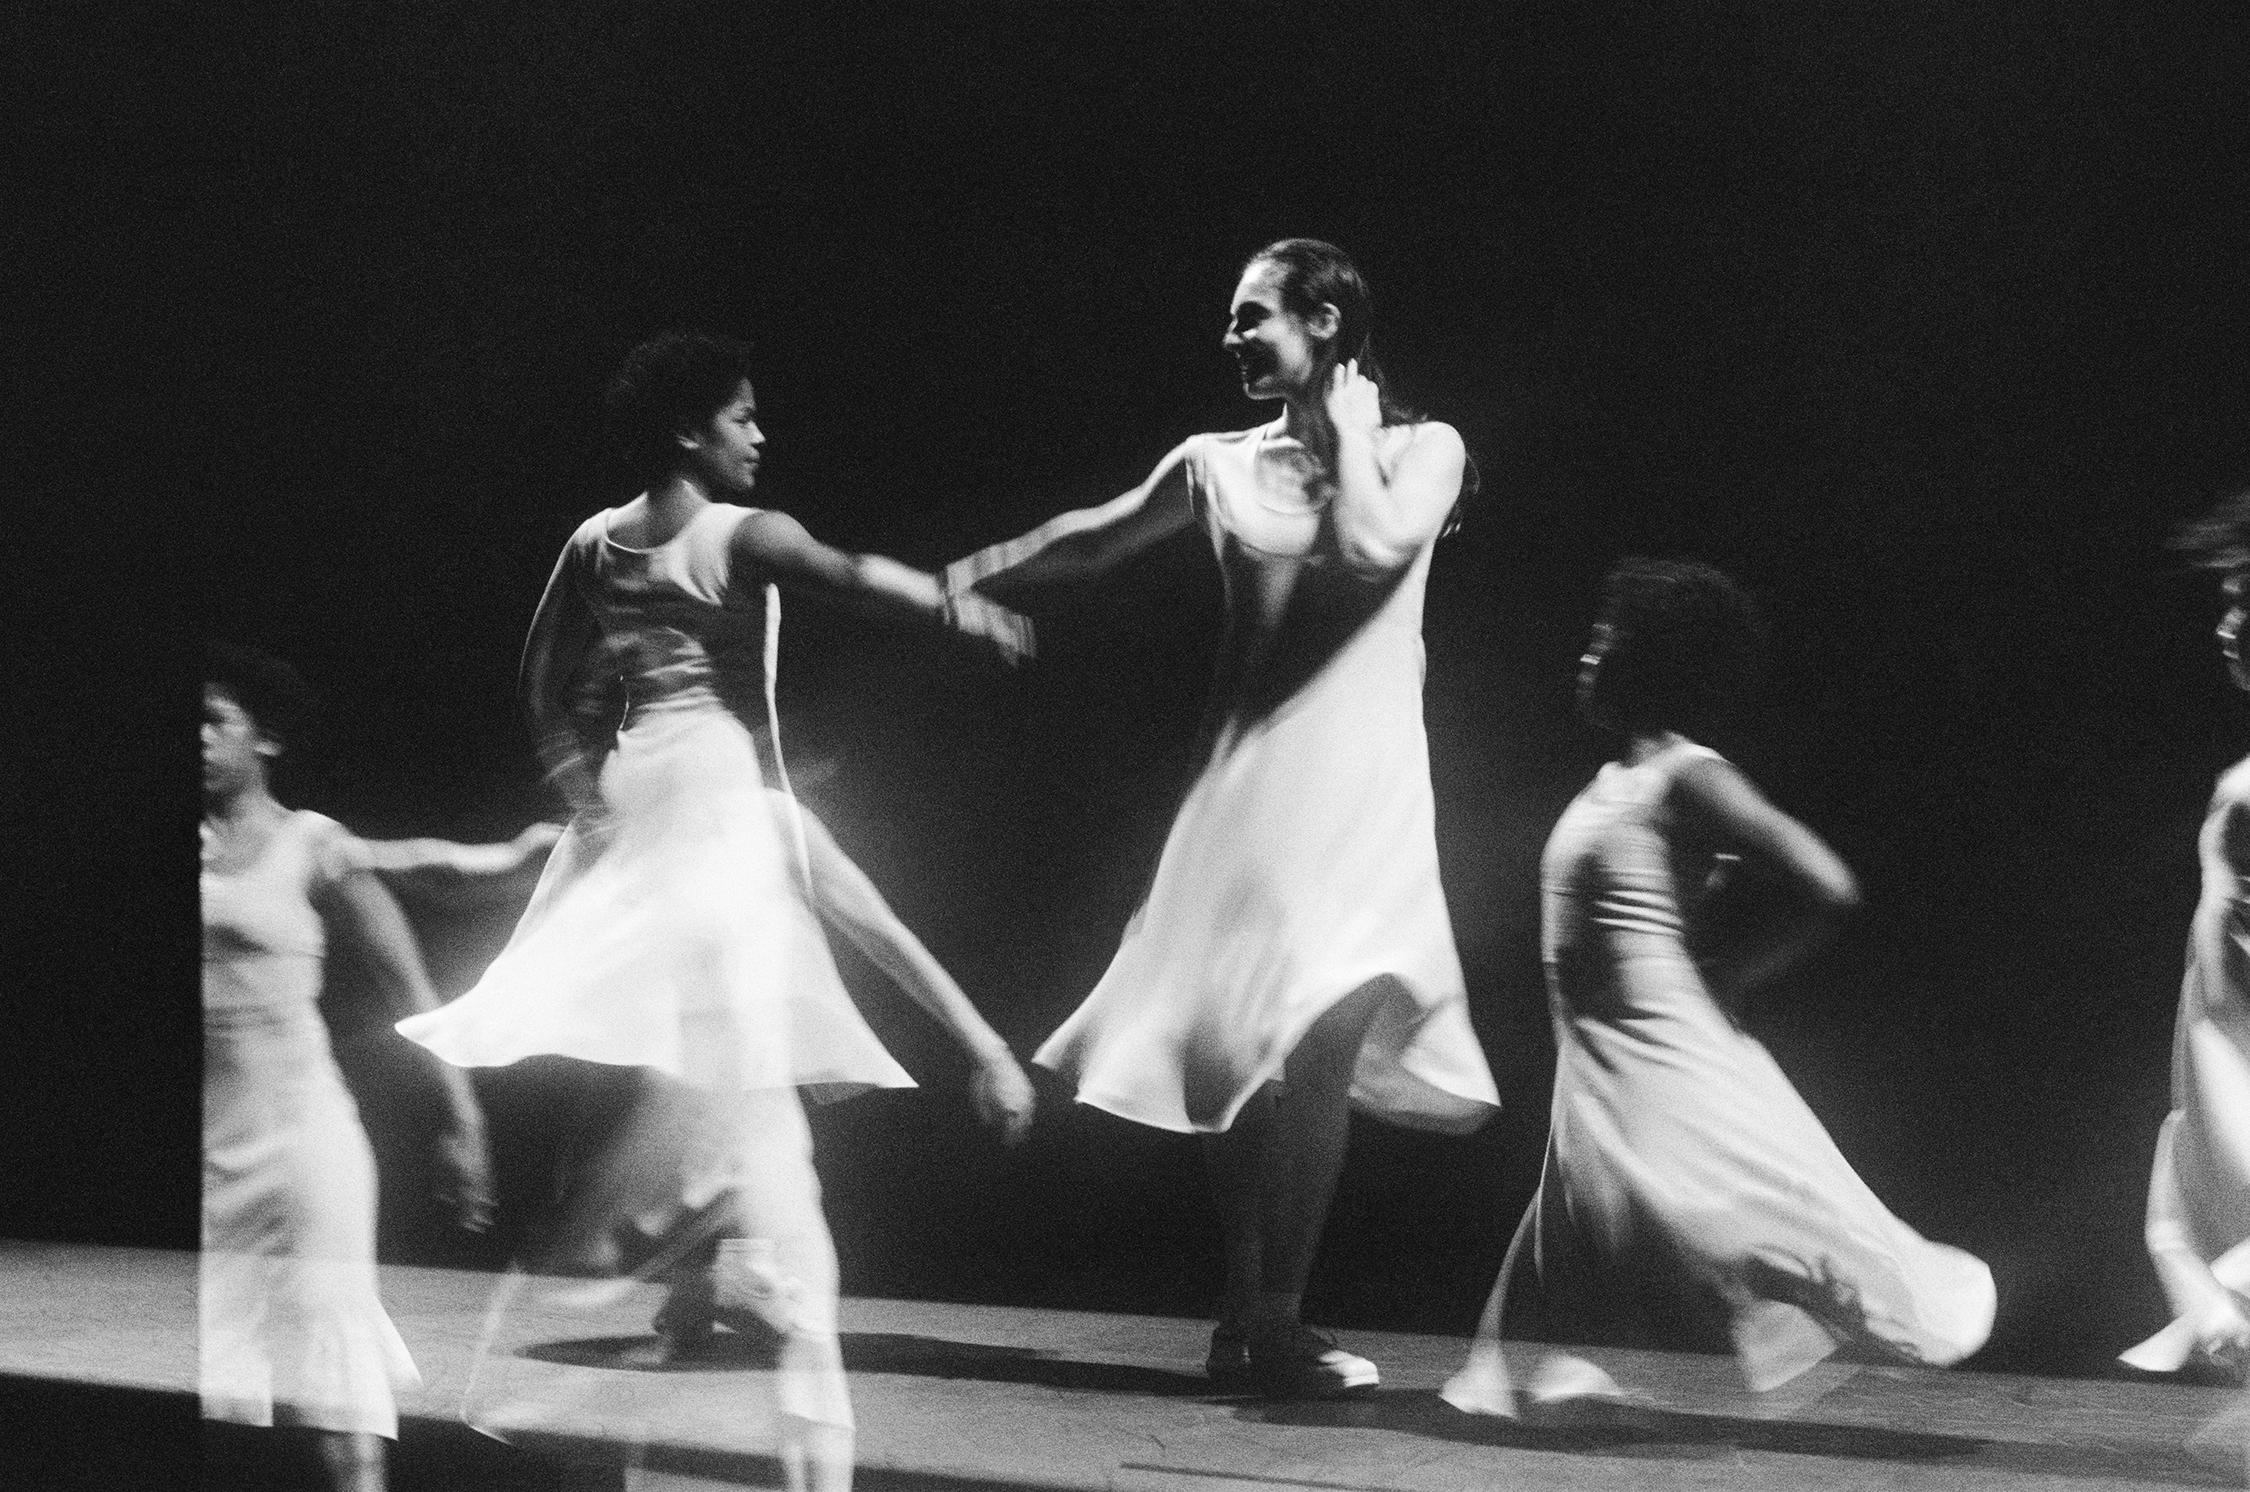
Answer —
(1712, 797)
(777, 544)
(1085, 543)
(562, 630)
(359, 911)
(849, 900)
(438, 871)
(1383, 522)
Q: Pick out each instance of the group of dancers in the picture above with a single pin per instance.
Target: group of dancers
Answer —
(1292, 959)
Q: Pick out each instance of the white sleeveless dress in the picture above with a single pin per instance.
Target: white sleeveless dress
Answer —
(292, 1331)
(1303, 862)
(1681, 1166)
(684, 943)
(679, 941)
(2199, 1186)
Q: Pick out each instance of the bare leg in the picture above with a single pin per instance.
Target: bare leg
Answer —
(1236, 1161)
(777, 1200)
(1304, 1151)
(1273, 1174)
(354, 1462)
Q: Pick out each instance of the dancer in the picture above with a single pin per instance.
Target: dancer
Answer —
(671, 930)
(2199, 1189)
(850, 902)
(1294, 954)
(1685, 1180)
(292, 1331)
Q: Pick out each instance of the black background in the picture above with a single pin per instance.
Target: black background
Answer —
(1925, 323)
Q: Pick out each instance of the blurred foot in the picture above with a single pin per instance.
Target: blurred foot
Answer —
(1292, 1361)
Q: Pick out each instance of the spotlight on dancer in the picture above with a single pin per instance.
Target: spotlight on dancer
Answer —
(1293, 956)
(673, 930)
(2199, 1188)
(292, 1331)
(1686, 1184)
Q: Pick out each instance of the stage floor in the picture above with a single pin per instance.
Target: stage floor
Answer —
(981, 1396)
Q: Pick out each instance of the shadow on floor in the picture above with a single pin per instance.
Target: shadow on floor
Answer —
(887, 1352)
(1632, 1431)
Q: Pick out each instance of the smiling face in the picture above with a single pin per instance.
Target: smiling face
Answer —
(1277, 350)
(235, 750)
(724, 450)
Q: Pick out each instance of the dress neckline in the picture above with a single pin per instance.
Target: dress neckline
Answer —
(1258, 485)
(609, 516)
(211, 866)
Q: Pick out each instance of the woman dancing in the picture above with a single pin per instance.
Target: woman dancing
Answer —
(703, 1209)
(1685, 1180)
(671, 930)
(1294, 954)
(2199, 1188)
(292, 1332)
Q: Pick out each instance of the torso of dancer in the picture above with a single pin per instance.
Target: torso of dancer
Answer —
(1294, 953)
(292, 1331)
(674, 928)
(1687, 1188)
(2199, 1187)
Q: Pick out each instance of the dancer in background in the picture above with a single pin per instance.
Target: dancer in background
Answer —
(292, 1332)
(1686, 1183)
(1294, 955)
(2199, 1189)
(672, 929)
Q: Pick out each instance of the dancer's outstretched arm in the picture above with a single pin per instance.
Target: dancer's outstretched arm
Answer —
(358, 910)
(848, 899)
(1712, 796)
(1384, 521)
(1088, 541)
(442, 873)
(777, 544)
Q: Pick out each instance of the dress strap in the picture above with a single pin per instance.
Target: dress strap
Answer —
(773, 723)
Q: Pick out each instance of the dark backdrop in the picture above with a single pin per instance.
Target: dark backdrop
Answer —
(1926, 324)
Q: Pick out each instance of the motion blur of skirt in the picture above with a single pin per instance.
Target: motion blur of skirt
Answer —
(1686, 1179)
(674, 935)
(567, 1347)
(1301, 867)
(292, 1330)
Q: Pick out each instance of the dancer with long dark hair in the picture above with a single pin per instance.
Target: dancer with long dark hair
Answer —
(1294, 954)
(292, 1330)
(672, 931)
(1687, 1186)
(2199, 1187)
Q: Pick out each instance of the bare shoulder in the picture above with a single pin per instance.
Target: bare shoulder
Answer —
(767, 532)
(1707, 785)
(2233, 790)
(322, 833)
(1431, 435)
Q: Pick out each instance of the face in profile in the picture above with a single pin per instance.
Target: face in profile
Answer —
(1276, 350)
(1590, 669)
(2236, 589)
(235, 750)
(725, 449)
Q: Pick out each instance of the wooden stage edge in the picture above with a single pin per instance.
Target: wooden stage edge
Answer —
(959, 1397)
